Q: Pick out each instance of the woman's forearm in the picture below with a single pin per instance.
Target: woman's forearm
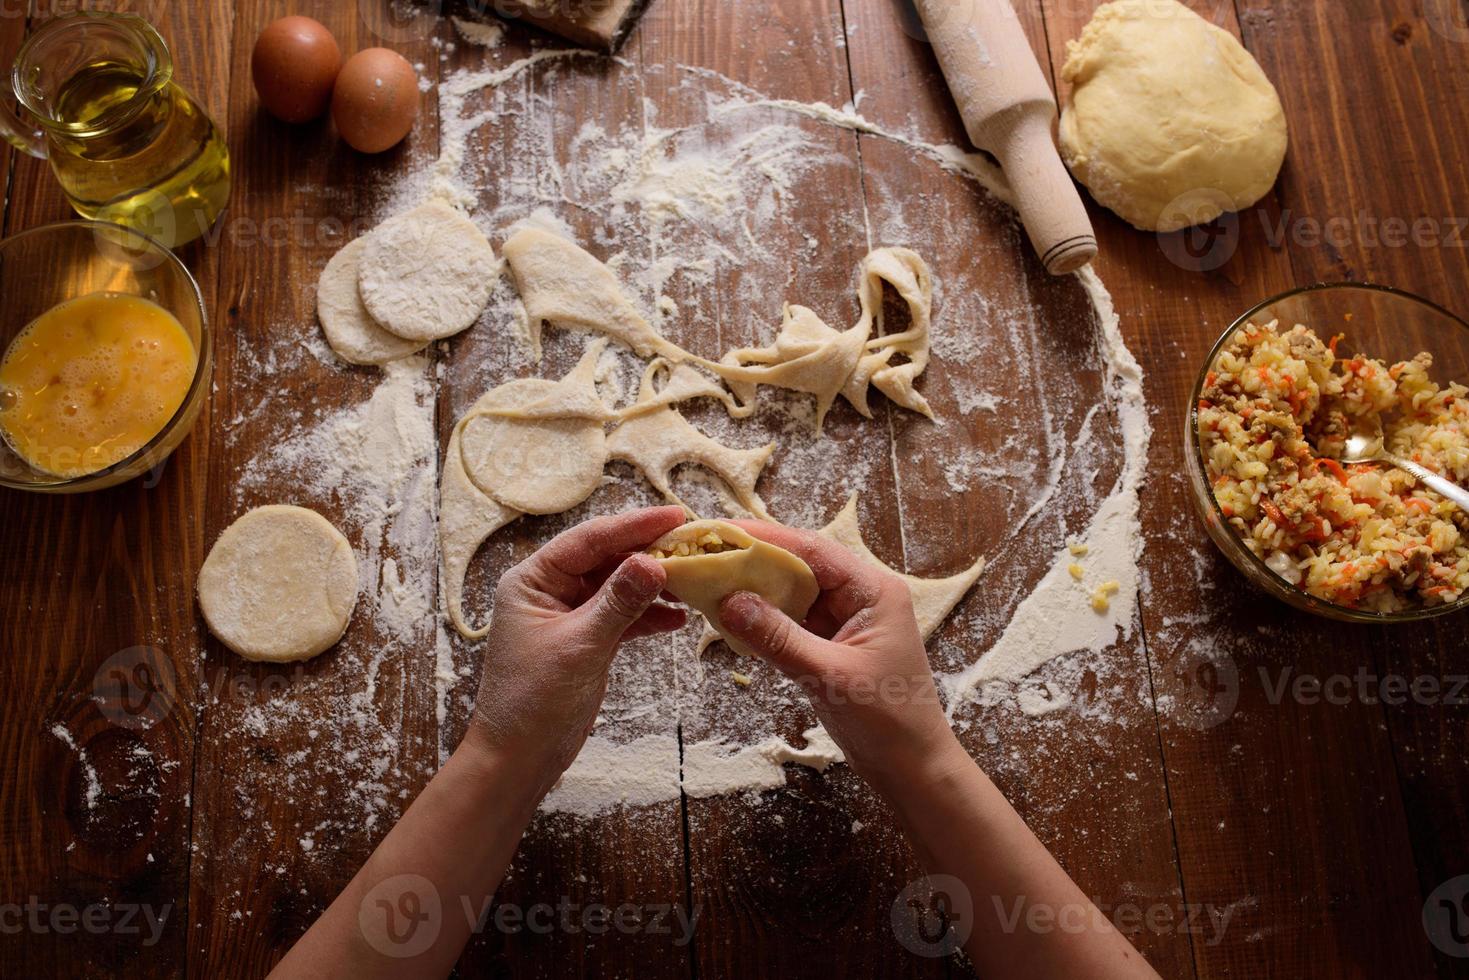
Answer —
(961, 825)
(412, 907)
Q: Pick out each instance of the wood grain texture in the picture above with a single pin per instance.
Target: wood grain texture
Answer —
(100, 650)
(1104, 774)
(1263, 790)
(1307, 836)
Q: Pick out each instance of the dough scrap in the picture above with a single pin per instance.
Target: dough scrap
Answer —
(467, 517)
(279, 585)
(807, 356)
(684, 383)
(573, 397)
(724, 558)
(562, 283)
(427, 273)
(350, 329)
(933, 598)
(1171, 122)
(657, 441)
(906, 272)
(541, 465)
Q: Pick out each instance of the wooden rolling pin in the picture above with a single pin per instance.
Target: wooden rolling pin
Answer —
(1008, 111)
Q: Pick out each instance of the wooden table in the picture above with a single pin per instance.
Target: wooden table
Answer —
(1232, 831)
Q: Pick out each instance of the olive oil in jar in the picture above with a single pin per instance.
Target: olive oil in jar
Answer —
(135, 149)
(126, 141)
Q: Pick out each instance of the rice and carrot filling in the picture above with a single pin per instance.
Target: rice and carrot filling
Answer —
(1274, 417)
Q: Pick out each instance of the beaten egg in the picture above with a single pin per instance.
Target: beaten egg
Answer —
(376, 100)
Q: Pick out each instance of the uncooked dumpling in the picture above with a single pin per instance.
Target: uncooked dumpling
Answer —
(350, 329)
(279, 584)
(708, 560)
(1171, 122)
(426, 274)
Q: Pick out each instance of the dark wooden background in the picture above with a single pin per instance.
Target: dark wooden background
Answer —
(1319, 829)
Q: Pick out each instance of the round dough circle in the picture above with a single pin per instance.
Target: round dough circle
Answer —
(1171, 121)
(537, 466)
(426, 274)
(279, 584)
(349, 328)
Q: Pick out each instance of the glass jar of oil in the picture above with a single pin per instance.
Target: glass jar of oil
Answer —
(127, 142)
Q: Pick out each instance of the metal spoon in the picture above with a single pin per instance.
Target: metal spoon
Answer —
(1365, 446)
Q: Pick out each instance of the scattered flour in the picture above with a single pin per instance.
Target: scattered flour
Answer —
(486, 34)
(89, 771)
(1057, 618)
(646, 770)
(678, 207)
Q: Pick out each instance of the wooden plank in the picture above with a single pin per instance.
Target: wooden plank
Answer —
(96, 800)
(1390, 71)
(528, 159)
(1090, 781)
(800, 882)
(299, 770)
(1247, 775)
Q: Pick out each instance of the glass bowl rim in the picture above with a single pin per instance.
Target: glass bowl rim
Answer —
(202, 365)
(1256, 562)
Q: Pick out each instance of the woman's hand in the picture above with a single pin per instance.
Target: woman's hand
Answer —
(858, 656)
(558, 619)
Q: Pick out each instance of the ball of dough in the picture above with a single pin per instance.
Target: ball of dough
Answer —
(426, 274)
(279, 584)
(1171, 122)
(349, 328)
(536, 466)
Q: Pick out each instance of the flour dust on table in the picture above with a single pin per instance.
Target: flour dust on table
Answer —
(686, 218)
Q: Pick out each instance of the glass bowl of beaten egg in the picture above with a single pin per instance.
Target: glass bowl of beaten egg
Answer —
(1361, 543)
(104, 356)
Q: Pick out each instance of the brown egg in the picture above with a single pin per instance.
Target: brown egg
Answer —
(294, 64)
(376, 100)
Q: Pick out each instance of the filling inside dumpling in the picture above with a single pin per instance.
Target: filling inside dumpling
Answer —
(706, 542)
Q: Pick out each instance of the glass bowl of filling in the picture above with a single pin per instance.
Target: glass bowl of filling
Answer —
(104, 356)
(1279, 395)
